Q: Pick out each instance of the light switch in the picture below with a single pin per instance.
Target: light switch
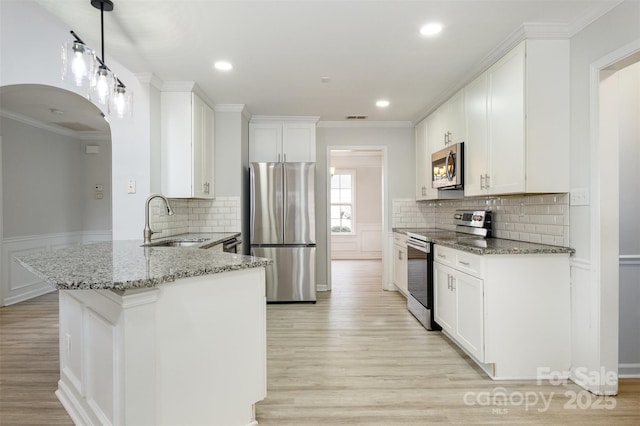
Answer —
(131, 187)
(579, 197)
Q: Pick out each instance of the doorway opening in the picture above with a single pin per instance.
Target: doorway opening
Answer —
(620, 132)
(355, 212)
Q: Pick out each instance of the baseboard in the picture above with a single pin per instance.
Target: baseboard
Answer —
(629, 371)
(322, 287)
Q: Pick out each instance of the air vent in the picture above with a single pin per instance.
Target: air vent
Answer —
(78, 127)
(356, 117)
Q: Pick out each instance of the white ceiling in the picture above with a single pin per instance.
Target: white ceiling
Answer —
(281, 49)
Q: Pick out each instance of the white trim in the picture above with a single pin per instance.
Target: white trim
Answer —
(81, 135)
(150, 79)
(599, 170)
(280, 118)
(358, 123)
(322, 287)
(629, 259)
(629, 371)
(241, 108)
(591, 15)
(580, 263)
(30, 285)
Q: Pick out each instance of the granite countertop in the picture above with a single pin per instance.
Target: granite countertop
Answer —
(121, 265)
(483, 246)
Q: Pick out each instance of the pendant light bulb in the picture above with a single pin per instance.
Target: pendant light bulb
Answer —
(120, 102)
(77, 63)
(103, 85)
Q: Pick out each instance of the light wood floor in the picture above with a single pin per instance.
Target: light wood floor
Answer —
(356, 357)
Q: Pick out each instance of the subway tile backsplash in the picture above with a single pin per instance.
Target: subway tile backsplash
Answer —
(534, 218)
(219, 215)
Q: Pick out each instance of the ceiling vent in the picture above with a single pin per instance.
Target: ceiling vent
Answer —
(78, 127)
(356, 117)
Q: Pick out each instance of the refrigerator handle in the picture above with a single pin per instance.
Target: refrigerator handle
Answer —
(278, 158)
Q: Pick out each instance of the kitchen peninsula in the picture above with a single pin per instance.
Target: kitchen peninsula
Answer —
(158, 335)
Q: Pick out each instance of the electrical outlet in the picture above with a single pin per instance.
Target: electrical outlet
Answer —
(579, 197)
(99, 187)
(131, 187)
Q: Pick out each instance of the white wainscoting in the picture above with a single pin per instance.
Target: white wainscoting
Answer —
(365, 244)
(629, 316)
(18, 284)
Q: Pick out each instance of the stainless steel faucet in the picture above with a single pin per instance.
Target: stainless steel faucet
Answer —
(147, 230)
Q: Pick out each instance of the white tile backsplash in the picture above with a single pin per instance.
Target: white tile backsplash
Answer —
(535, 218)
(219, 215)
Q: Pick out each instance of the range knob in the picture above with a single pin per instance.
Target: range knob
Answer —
(457, 216)
(477, 217)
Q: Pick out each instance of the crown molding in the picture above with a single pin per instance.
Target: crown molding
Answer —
(84, 136)
(270, 118)
(365, 124)
(241, 108)
(150, 79)
(591, 15)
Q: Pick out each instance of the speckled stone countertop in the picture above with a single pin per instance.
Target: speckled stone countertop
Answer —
(482, 246)
(121, 265)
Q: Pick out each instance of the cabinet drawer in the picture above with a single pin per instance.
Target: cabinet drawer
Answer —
(399, 239)
(445, 255)
(472, 264)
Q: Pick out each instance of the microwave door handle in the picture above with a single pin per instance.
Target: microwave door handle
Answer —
(446, 166)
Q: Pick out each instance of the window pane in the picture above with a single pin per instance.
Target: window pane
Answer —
(335, 223)
(335, 212)
(345, 181)
(335, 181)
(335, 195)
(345, 196)
(346, 226)
(345, 212)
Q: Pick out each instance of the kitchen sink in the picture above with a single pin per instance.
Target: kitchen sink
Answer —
(179, 243)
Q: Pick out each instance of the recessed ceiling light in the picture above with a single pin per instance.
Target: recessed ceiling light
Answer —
(382, 103)
(430, 29)
(223, 66)
(325, 79)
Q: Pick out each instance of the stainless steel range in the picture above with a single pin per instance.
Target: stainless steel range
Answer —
(420, 302)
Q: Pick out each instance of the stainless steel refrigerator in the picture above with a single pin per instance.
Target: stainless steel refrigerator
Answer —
(283, 228)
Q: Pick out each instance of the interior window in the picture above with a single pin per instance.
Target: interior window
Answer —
(343, 202)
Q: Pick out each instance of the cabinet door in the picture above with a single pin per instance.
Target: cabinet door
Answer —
(298, 142)
(436, 130)
(475, 145)
(469, 321)
(423, 162)
(265, 142)
(400, 268)
(506, 124)
(202, 180)
(444, 299)
(455, 118)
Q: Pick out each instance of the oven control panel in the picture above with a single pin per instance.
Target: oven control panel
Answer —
(473, 219)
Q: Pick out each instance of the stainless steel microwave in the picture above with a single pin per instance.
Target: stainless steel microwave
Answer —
(448, 167)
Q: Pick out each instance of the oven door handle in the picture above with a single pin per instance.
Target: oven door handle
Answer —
(231, 244)
(418, 246)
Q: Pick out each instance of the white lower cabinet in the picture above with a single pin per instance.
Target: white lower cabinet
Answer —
(399, 265)
(460, 308)
(510, 313)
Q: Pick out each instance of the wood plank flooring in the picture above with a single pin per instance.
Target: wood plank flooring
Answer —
(357, 357)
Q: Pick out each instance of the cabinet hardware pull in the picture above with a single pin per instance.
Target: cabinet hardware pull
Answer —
(448, 282)
(462, 262)
(486, 179)
(453, 283)
(482, 182)
(205, 187)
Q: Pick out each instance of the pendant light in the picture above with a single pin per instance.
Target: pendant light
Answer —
(90, 72)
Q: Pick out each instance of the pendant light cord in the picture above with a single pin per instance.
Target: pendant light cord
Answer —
(102, 29)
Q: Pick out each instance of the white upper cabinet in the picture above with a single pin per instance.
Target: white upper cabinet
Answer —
(423, 162)
(517, 122)
(187, 146)
(440, 128)
(284, 139)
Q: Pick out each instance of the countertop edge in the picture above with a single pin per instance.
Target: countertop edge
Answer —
(536, 248)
